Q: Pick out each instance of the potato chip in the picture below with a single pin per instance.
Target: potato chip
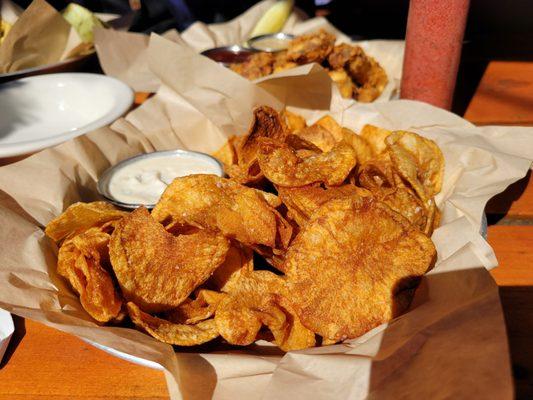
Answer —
(424, 152)
(215, 203)
(303, 201)
(293, 122)
(378, 173)
(348, 262)
(194, 311)
(302, 146)
(318, 136)
(266, 123)
(375, 137)
(80, 217)
(239, 261)
(328, 123)
(168, 332)
(157, 270)
(227, 154)
(240, 316)
(360, 145)
(283, 167)
(405, 202)
(83, 261)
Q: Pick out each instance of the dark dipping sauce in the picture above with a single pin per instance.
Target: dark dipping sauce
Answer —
(229, 54)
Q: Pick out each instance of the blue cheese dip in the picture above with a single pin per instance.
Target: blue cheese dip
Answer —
(142, 180)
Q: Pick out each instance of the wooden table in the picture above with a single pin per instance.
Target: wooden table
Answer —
(44, 363)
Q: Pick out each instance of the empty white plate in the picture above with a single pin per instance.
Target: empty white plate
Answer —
(6, 330)
(45, 110)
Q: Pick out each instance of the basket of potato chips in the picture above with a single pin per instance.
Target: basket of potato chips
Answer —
(339, 258)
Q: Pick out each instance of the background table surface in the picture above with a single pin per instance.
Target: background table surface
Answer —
(44, 363)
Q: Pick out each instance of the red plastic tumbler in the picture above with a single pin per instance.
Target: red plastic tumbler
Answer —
(435, 30)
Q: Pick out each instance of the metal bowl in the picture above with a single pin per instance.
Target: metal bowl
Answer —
(280, 37)
(103, 182)
(229, 54)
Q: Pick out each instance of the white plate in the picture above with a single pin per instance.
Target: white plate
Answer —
(6, 330)
(45, 110)
(125, 356)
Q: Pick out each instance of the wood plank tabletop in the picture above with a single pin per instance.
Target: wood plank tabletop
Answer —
(43, 363)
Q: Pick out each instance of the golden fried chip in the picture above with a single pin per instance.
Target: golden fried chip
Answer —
(293, 122)
(168, 332)
(303, 201)
(333, 127)
(240, 316)
(302, 146)
(360, 145)
(378, 173)
(405, 202)
(424, 152)
(80, 217)
(283, 167)
(219, 204)
(194, 311)
(157, 270)
(375, 137)
(83, 261)
(313, 47)
(319, 136)
(347, 264)
(226, 154)
(239, 262)
(266, 123)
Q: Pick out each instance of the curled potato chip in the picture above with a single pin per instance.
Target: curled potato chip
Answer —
(266, 123)
(377, 173)
(375, 137)
(168, 332)
(360, 145)
(240, 316)
(347, 264)
(405, 202)
(157, 270)
(82, 261)
(239, 262)
(318, 136)
(333, 127)
(424, 152)
(227, 154)
(303, 201)
(80, 217)
(293, 122)
(283, 167)
(194, 311)
(302, 146)
(219, 204)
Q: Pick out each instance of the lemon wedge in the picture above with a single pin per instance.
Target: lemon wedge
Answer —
(274, 18)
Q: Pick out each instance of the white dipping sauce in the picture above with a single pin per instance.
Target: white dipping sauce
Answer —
(144, 181)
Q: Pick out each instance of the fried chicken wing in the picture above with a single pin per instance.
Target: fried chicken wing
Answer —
(313, 47)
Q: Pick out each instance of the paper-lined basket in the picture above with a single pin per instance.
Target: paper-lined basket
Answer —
(450, 344)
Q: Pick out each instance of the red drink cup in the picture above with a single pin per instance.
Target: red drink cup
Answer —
(435, 30)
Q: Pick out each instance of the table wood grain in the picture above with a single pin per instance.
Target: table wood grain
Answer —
(43, 363)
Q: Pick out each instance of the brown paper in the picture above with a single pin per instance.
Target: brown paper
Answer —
(40, 36)
(451, 343)
(125, 55)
